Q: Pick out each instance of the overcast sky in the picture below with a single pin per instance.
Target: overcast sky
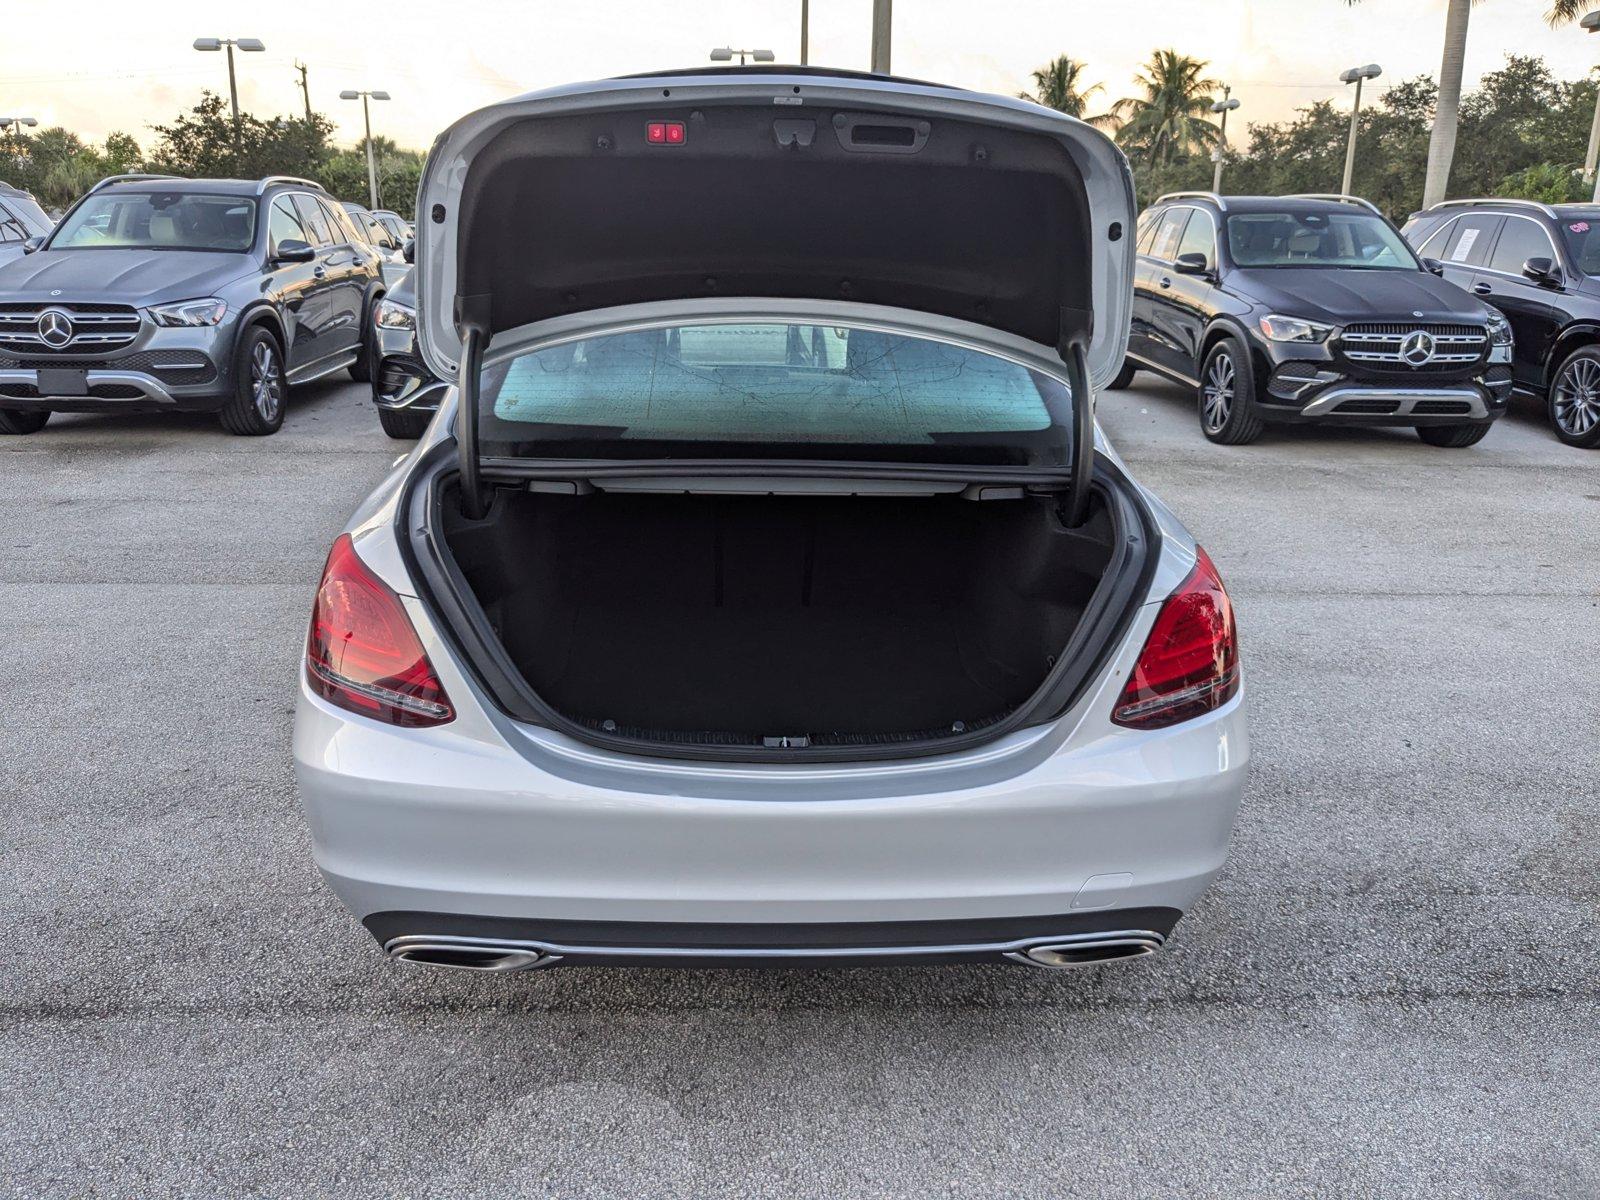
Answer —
(126, 66)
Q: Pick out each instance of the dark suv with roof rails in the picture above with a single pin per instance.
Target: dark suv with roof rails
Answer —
(1300, 309)
(156, 294)
(1539, 265)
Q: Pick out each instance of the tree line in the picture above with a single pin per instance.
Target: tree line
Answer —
(57, 166)
(1522, 133)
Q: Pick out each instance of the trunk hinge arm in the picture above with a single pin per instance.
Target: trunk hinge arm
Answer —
(1075, 508)
(473, 337)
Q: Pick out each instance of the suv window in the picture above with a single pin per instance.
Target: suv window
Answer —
(1520, 240)
(1467, 241)
(340, 224)
(1198, 239)
(1582, 234)
(1168, 232)
(11, 229)
(314, 219)
(1147, 229)
(283, 226)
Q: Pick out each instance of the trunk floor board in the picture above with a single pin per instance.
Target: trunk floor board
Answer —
(772, 672)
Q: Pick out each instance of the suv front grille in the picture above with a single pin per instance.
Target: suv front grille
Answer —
(1382, 344)
(90, 328)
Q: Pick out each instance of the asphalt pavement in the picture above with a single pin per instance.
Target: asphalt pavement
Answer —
(1392, 990)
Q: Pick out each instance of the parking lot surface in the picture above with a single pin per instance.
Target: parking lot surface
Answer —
(1391, 991)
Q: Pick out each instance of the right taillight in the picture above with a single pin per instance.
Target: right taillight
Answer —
(1190, 661)
(362, 652)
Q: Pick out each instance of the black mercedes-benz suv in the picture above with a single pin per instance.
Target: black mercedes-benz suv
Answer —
(166, 295)
(1297, 309)
(1539, 264)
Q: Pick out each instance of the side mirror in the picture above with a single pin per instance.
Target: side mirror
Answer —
(1433, 266)
(1542, 271)
(293, 250)
(409, 250)
(1191, 264)
(32, 244)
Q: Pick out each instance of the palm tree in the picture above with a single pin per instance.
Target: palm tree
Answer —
(1173, 115)
(1447, 111)
(1058, 85)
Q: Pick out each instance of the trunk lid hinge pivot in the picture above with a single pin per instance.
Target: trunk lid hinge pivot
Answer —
(1075, 505)
(472, 318)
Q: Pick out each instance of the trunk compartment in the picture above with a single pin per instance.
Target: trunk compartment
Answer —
(780, 621)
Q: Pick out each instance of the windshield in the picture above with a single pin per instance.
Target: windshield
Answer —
(778, 390)
(159, 221)
(1317, 239)
(1582, 234)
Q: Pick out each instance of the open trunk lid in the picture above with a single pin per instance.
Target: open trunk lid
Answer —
(996, 222)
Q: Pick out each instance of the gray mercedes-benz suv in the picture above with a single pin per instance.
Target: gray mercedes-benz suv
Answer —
(168, 295)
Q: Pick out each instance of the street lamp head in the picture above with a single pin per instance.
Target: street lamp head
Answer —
(347, 94)
(379, 95)
(1591, 21)
(250, 44)
(208, 43)
(722, 54)
(1370, 71)
(1225, 106)
(762, 55)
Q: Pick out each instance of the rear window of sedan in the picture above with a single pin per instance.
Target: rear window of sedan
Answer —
(777, 385)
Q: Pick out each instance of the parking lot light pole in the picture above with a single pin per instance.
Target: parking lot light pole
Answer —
(1357, 76)
(1591, 22)
(1224, 106)
(15, 124)
(882, 27)
(366, 115)
(213, 44)
(726, 53)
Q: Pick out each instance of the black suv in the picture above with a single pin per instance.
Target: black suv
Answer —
(1539, 264)
(1310, 308)
(406, 392)
(164, 295)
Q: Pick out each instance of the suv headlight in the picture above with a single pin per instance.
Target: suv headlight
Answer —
(1293, 329)
(391, 315)
(1499, 330)
(189, 312)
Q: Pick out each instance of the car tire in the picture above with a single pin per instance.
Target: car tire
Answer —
(363, 369)
(403, 424)
(1453, 437)
(1226, 397)
(1573, 400)
(20, 421)
(1124, 376)
(260, 388)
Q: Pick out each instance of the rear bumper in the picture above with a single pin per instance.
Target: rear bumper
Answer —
(464, 832)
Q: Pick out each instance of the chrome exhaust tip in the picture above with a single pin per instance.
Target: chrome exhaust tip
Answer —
(468, 954)
(1087, 951)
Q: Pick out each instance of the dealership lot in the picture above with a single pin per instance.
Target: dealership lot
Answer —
(1391, 990)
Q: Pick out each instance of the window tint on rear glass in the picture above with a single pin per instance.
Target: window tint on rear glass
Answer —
(1520, 240)
(839, 391)
(1582, 235)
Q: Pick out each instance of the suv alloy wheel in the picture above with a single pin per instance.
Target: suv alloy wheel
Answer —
(1574, 400)
(259, 390)
(1227, 396)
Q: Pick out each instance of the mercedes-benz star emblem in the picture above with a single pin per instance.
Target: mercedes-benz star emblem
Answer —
(55, 328)
(1417, 349)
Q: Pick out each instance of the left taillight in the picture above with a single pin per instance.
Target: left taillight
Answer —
(1190, 661)
(362, 652)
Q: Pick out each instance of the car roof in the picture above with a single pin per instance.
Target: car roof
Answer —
(1527, 208)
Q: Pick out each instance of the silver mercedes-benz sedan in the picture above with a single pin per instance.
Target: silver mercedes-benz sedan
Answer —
(765, 591)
